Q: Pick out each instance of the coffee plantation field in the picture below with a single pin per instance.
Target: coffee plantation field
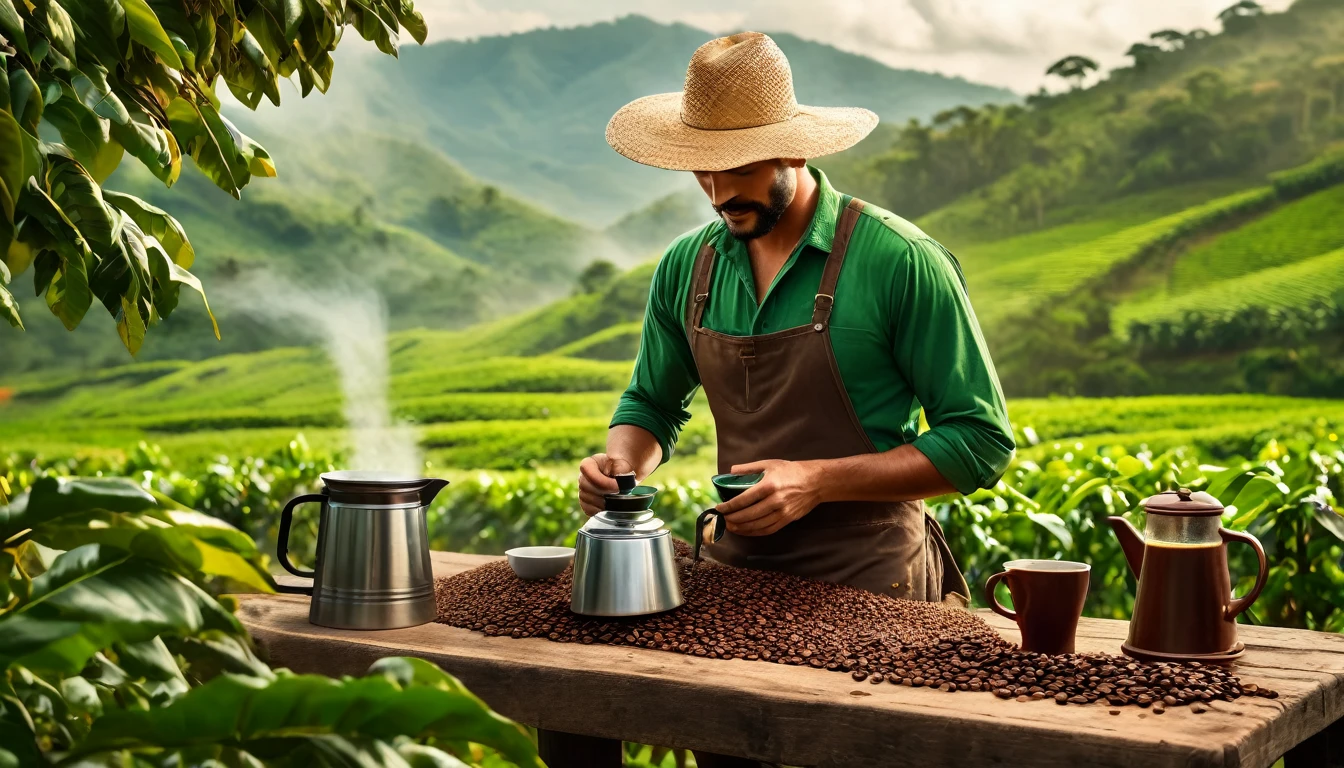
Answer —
(1297, 285)
(1296, 231)
(1019, 285)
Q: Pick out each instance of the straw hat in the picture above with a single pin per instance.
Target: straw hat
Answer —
(738, 108)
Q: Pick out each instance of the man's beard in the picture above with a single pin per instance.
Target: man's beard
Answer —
(767, 216)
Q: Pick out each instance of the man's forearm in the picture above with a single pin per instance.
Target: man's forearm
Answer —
(900, 474)
(635, 445)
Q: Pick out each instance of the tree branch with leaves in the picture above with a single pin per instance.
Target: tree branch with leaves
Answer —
(140, 77)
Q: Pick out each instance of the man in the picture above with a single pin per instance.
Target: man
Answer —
(818, 327)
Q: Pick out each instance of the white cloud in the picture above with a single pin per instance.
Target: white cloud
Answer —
(1002, 42)
(463, 19)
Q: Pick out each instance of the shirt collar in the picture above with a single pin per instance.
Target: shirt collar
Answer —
(819, 233)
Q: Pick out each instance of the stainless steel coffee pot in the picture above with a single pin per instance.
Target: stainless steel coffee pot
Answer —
(624, 564)
(373, 569)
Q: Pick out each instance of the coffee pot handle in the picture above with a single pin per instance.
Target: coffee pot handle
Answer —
(993, 600)
(282, 544)
(1240, 604)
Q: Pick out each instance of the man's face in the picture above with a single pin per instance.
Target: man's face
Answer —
(750, 199)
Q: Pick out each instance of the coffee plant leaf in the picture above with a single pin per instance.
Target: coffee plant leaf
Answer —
(1330, 520)
(50, 498)
(240, 710)
(1054, 525)
(147, 31)
(93, 597)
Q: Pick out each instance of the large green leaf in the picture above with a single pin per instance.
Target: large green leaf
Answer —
(1330, 519)
(93, 597)
(411, 20)
(68, 294)
(151, 145)
(168, 277)
(12, 25)
(60, 30)
(1054, 524)
(176, 548)
(152, 661)
(390, 702)
(92, 89)
(215, 153)
(147, 31)
(157, 223)
(11, 168)
(9, 308)
(99, 24)
(75, 191)
(84, 132)
(256, 157)
(50, 498)
(25, 99)
(213, 653)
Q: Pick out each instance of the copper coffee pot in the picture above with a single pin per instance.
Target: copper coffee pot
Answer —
(1184, 609)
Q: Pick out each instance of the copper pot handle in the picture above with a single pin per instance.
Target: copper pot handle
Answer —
(994, 601)
(1240, 604)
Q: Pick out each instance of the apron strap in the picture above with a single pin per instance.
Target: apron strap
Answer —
(844, 228)
(701, 273)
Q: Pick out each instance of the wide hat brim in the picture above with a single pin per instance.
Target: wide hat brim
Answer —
(650, 131)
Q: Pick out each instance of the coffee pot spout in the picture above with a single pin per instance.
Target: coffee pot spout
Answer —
(431, 489)
(1131, 541)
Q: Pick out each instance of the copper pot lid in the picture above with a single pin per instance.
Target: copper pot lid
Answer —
(1184, 502)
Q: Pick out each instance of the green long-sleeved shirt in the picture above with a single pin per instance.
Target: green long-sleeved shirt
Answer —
(903, 332)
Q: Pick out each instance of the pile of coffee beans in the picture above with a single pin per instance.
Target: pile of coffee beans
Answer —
(735, 613)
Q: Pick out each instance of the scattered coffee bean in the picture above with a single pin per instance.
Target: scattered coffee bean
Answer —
(1115, 711)
(733, 613)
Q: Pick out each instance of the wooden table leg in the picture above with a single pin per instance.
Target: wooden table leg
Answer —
(1324, 750)
(568, 750)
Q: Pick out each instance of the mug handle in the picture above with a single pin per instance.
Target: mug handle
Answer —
(282, 544)
(1240, 604)
(710, 517)
(993, 600)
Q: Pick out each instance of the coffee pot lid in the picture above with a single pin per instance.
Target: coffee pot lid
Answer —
(624, 525)
(374, 487)
(1182, 501)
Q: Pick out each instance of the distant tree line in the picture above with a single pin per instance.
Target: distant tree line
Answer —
(1024, 161)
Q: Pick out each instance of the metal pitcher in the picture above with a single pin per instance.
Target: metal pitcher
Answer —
(373, 569)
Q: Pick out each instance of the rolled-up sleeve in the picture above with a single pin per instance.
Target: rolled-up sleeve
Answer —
(940, 349)
(665, 376)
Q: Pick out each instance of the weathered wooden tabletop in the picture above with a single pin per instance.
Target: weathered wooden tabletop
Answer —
(811, 717)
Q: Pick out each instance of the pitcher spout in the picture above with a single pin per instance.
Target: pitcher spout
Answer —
(1131, 541)
(431, 489)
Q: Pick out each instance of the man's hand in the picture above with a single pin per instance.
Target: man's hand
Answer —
(787, 492)
(597, 478)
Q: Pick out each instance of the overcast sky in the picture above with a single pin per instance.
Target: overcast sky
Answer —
(1002, 42)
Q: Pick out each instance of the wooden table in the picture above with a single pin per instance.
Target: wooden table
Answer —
(810, 717)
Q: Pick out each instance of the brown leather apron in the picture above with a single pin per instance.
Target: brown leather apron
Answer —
(779, 396)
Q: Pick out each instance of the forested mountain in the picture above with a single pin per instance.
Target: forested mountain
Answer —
(527, 112)
(362, 210)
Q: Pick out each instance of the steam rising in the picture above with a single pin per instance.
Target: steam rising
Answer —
(351, 323)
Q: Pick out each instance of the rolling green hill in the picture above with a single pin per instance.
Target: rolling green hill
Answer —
(368, 210)
(527, 112)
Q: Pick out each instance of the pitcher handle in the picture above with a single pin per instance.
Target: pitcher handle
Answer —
(994, 600)
(1240, 604)
(282, 544)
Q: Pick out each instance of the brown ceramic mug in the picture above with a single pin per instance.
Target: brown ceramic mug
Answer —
(1048, 596)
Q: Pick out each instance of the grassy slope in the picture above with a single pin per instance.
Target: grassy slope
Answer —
(1293, 285)
(1019, 284)
(1299, 230)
